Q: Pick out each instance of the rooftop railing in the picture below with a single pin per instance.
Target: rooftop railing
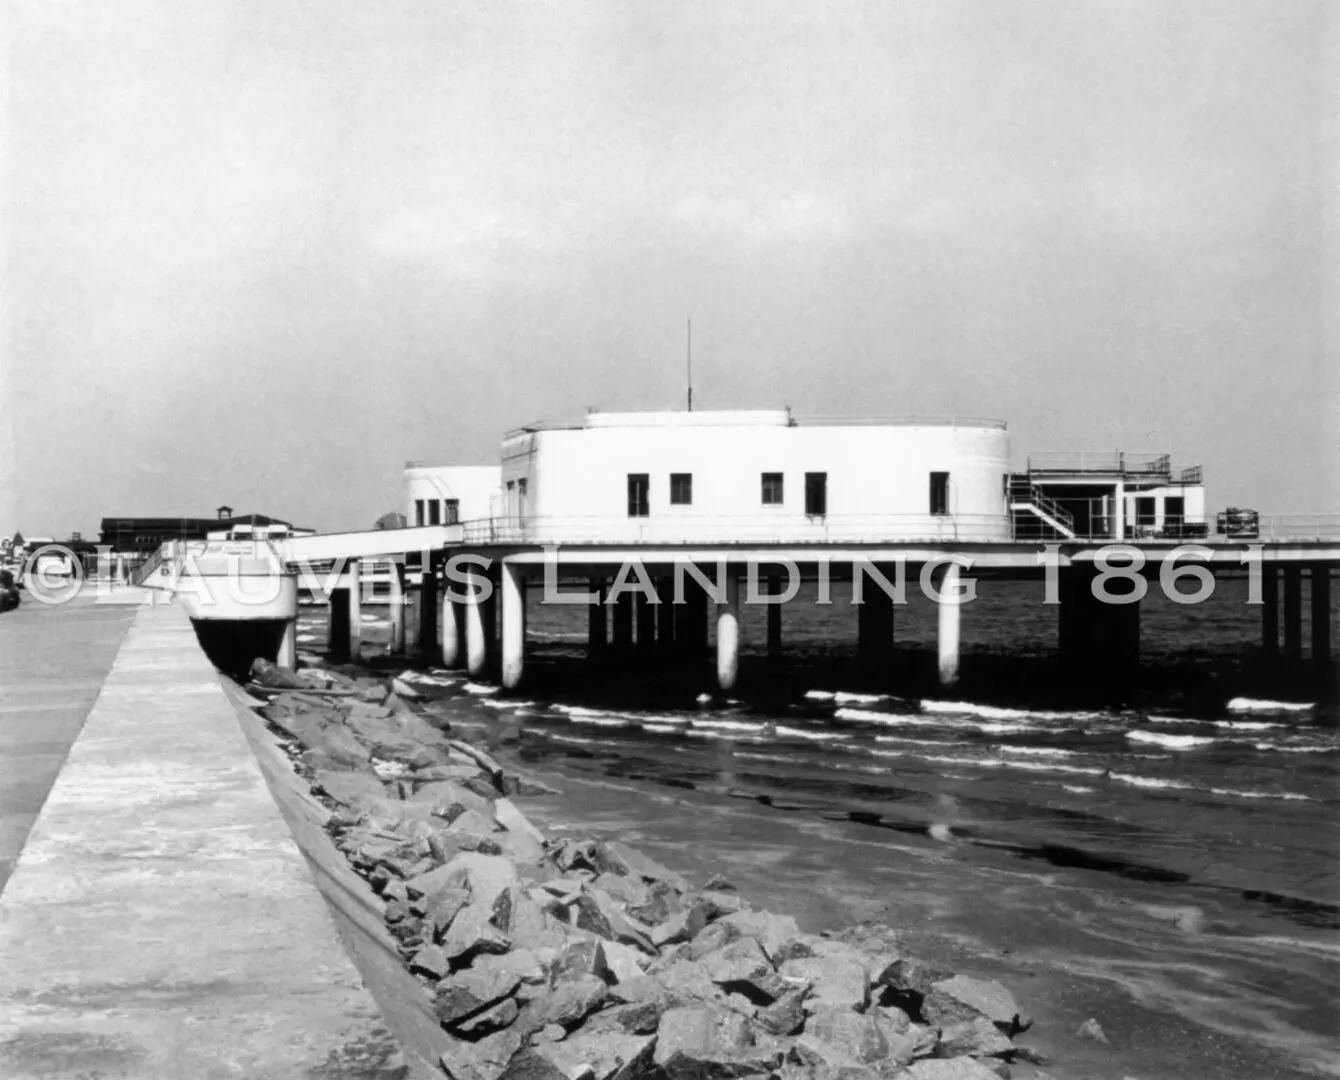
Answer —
(726, 530)
(1102, 461)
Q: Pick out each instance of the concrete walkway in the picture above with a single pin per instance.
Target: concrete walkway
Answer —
(161, 922)
(53, 659)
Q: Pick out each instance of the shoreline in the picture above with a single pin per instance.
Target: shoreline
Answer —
(786, 1016)
(1159, 1041)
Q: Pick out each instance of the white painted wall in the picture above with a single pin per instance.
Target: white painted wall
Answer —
(477, 487)
(878, 477)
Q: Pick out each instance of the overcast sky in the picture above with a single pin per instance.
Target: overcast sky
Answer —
(263, 252)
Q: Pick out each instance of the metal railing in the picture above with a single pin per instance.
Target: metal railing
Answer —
(1024, 497)
(1283, 528)
(1102, 461)
(726, 530)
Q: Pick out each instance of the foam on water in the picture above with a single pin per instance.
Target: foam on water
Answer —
(913, 720)
(1295, 749)
(1172, 742)
(663, 728)
(574, 739)
(1254, 705)
(1038, 751)
(998, 712)
(843, 697)
(994, 712)
(820, 695)
(429, 680)
(729, 725)
(905, 741)
(1078, 789)
(479, 689)
(506, 703)
(797, 733)
(1284, 796)
(1248, 725)
(1151, 782)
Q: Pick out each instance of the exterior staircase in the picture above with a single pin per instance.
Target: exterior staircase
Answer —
(1035, 516)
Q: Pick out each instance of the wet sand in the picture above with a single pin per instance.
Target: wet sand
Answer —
(984, 921)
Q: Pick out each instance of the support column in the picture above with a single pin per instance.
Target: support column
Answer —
(397, 609)
(413, 606)
(1293, 611)
(1321, 615)
(775, 619)
(691, 620)
(874, 623)
(453, 632)
(1098, 641)
(513, 626)
(122, 577)
(353, 572)
(337, 625)
(646, 622)
(477, 638)
(950, 618)
(597, 641)
(728, 636)
(428, 610)
(288, 646)
(623, 622)
(665, 614)
(1270, 608)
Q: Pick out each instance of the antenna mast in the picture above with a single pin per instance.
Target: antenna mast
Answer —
(688, 360)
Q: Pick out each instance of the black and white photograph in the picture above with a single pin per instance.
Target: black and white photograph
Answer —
(701, 540)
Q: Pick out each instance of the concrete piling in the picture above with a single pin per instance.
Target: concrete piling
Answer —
(513, 626)
(728, 636)
(1321, 615)
(1293, 612)
(950, 619)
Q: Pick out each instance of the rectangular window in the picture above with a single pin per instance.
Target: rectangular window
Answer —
(1144, 510)
(939, 493)
(418, 511)
(681, 489)
(772, 489)
(639, 489)
(1174, 510)
(816, 494)
(434, 512)
(453, 511)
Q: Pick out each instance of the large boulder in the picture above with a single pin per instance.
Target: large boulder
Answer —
(974, 1038)
(961, 998)
(706, 1042)
(961, 1068)
(482, 1060)
(838, 978)
(741, 967)
(600, 1056)
(472, 991)
(770, 931)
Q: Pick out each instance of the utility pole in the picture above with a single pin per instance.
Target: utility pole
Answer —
(688, 361)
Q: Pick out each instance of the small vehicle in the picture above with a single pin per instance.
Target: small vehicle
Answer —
(1238, 524)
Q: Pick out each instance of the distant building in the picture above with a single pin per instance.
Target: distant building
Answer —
(145, 534)
(448, 494)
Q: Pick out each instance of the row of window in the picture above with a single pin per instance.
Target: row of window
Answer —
(773, 492)
(438, 512)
